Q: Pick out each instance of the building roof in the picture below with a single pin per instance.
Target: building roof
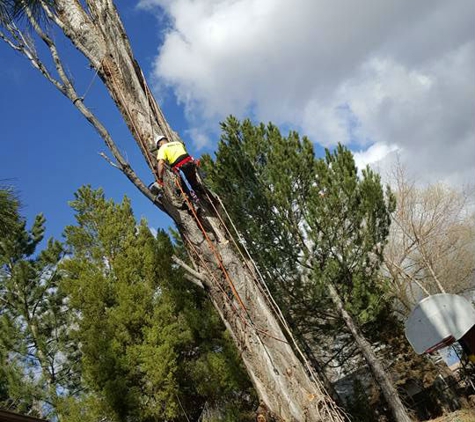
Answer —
(6, 416)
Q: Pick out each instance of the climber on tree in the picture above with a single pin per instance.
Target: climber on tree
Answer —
(175, 155)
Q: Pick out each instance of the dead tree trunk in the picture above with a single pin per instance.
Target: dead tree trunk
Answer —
(281, 380)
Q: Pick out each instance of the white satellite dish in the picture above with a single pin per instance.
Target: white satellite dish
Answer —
(437, 321)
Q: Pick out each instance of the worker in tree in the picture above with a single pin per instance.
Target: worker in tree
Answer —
(175, 155)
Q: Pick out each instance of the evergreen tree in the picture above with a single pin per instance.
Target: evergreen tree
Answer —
(36, 354)
(307, 222)
(348, 222)
(324, 226)
(9, 205)
(112, 332)
(152, 348)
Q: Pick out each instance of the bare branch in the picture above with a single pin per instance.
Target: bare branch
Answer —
(192, 275)
(10, 42)
(53, 51)
(122, 164)
(67, 89)
(103, 155)
(407, 275)
(24, 49)
(195, 281)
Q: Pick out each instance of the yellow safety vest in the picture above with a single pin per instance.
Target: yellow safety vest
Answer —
(171, 152)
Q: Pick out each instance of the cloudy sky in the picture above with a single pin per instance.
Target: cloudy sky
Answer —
(393, 78)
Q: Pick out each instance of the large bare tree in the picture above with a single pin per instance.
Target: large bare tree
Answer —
(283, 380)
(432, 241)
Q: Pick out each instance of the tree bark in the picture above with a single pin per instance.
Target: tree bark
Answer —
(280, 378)
(390, 393)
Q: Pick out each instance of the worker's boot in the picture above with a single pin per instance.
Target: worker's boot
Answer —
(156, 190)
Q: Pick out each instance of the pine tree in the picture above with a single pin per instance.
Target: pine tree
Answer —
(293, 209)
(152, 347)
(324, 227)
(36, 355)
(9, 205)
(348, 222)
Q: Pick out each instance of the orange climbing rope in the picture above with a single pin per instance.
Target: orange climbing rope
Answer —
(221, 266)
(264, 288)
(262, 285)
(236, 310)
(211, 245)
(216, 281)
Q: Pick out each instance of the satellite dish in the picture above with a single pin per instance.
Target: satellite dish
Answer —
(438, 321)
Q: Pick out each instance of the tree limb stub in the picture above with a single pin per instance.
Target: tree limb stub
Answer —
(196, 277)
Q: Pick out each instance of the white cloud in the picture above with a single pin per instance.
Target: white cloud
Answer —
(379, 76)
(375, 155)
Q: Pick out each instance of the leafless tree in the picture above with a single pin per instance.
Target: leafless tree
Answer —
(431, 247)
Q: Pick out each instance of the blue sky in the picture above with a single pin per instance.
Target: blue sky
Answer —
(378, 77)
(48, 149)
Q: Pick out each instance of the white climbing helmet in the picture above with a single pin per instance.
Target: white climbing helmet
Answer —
(159, 138)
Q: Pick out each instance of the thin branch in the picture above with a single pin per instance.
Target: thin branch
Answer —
(52, 48)
(69, 91)
(103, 155)
(406, 274)
(431, 270)
(6, 302)
(52, 16)
(34, 60)
(10, 42)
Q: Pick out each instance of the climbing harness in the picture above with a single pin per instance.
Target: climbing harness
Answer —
(177, 169)
(186, 160)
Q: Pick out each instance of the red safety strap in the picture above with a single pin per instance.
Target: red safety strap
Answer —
(182, 162)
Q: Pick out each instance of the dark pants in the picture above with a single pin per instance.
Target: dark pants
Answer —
(189, 170)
